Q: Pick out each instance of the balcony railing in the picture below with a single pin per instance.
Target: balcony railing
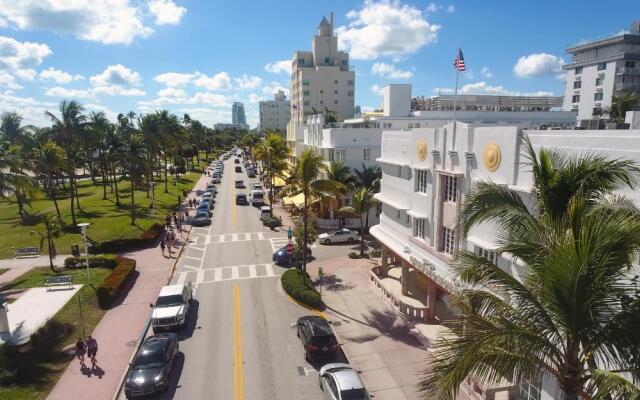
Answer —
(628, 71)
(628, 86)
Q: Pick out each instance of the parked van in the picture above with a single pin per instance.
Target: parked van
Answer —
(265, 212)
(171, 308)
(257, 197)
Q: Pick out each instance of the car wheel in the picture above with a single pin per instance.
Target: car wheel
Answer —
(327, 241)
(351, 240)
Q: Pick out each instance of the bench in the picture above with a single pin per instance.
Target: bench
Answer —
(61, 280)
(26, 252)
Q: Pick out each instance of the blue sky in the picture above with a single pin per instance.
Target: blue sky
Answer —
(199, 56)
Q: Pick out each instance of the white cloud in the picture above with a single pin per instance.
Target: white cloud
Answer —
(538, 64)
(21, 57)
(385, 28)
(166, 12)
(276, 67)
(486, 72)
(70, 93)
(248, 82)
(115, 90)
(211, 99)
(172, 92)
(104, 21)
(377, 89)
(8, 81)
(433, 7)
(254, 98)
(219, 81)
(32, 110)
(173, 79)
(116, 75)
(58, 76)
(273, 88)
(110, 114)
(390, 71)
(451, 9)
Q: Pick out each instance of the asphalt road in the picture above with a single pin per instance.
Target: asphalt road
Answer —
(239, 342)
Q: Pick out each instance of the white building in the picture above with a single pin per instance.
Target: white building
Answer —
(321, 81)
(275, 114)
(599, 70)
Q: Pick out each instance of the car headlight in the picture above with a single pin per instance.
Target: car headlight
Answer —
(157, 378)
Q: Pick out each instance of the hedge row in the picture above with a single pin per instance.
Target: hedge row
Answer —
(103, 261)
(112, 284)
(148, 238)
(298, 285)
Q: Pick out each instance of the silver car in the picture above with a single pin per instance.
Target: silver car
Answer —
(339, 381)
(339, 236)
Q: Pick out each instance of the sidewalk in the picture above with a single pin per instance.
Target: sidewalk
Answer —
(120, 328)
(375, 339)
(20, 266)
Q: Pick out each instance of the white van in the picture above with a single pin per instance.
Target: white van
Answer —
(265, 212)
(257, 197)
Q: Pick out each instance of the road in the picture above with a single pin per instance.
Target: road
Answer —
(239, 342)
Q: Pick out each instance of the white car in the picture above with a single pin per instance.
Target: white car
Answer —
(171, 308)
(339, 236)
(339, 381)
(256, 186)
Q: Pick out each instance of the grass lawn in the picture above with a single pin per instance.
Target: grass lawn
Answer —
(108, 221)
(42, 371)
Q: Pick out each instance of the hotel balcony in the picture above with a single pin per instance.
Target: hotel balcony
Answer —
(628, 86)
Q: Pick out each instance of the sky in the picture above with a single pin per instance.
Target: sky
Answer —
(199, 56)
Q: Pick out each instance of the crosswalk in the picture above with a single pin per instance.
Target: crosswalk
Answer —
(278, 243)
(227, 238)
(227, 273)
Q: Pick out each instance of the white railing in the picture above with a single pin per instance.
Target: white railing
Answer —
(414, 313)
(328, 223)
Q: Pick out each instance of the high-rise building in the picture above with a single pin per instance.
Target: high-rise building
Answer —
(237, 114)
(275, 114)
(600, 70)
(321, 81)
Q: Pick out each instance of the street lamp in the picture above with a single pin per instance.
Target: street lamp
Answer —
(83, 228)
(153, 198)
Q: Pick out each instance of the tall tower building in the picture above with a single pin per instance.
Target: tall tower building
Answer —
(321, 81)
(237, 114)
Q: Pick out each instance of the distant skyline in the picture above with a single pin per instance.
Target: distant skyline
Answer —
(198, 57)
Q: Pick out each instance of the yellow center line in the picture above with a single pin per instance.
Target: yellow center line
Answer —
(238, 363)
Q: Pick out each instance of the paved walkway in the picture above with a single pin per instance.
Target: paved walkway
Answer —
(375, 339)
(120, 328)
(20, 266)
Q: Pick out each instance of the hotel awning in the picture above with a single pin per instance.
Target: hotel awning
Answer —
(297, 200)
(280, 182)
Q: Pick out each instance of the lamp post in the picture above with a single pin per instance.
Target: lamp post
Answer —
(153, 198)
(83, 228)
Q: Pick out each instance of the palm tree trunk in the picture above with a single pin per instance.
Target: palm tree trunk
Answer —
(166, 179)
(133, 202)
(20, 203)
(55, 201)
(104, 177)
(75, 185)
(361, 237)
(49, 250)
(115, 183)
(72, 193)
(304, 235)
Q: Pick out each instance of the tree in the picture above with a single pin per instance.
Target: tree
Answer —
(306, 180)
(11, 128)
(48, 162)
(571, 316)
(273, 152)
(363, 201)
(98, 127)
(169, 132)
(369, 177)
(14, 181)
(134, 160)
(52, 229)
(620, 105)
(67, 129)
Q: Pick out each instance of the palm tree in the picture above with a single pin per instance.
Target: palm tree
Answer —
(113, 147)
(98, 127)
(369, 177)
(363, 201)
(338, 172)
(620, 105)
(273, 152)
(134, 160)
(48, 161)
(67, 129)
(14, 181)
(570, 316)
(306, 180)
(52, 230)
(11, 128)
(169, 128)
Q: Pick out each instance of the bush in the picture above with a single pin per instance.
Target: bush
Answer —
(148, 238)
(355, 255)
(298, 285)
(105, 261)
(375, 253)
(112, 284)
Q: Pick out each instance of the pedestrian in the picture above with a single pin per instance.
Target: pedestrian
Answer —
(92, 349)
(162, 246)
(80, 350)
(168, 245)
(175, 220)
(289, 233)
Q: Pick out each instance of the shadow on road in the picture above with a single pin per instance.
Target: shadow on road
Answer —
(192, 321)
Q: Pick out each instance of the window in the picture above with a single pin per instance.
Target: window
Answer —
(335, 92)
(410, 126)
(399, 171)
(350, 93)
(421, 180)
(336, 82)
(598, 96)
(335, 102)
(326, 60)
(578, 70)
(386, 125)
(305, 83)
(488, 254)
(321, 101)
(599, 81)
(306, 102)
(349, 83)
(321, 91)
(408, 219)
(419, 227)
(397, 214)
(416, 125)
(366, 154)
(529, 391)
(602, 66)
(597, 111)
(305, 93)
(575, 98)
(629, 64)
(577, 84)
(450, 188)
(339, 154)
(448, 241)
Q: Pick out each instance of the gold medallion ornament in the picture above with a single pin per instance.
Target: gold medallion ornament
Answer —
(492, 156)
(421, 150)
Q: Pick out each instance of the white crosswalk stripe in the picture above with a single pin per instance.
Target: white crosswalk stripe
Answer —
(278, 243)
(231, 273)
(234, 237)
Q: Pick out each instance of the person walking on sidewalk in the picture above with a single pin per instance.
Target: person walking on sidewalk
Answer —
(289, 233)
(80, 350)
(162, 246)
(92, 349)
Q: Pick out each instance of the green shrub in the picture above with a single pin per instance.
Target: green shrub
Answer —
(355, 255)
(298, 285)
(103, 261)
(112, 284)
(148, 238)
(375, 253)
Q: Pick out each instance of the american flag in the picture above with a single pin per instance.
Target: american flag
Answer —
(458, 63)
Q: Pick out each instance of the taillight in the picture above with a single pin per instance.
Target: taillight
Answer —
(335, 347)
(312, 347)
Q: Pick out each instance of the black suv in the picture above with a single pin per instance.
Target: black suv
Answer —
(149, 371)
(241, 198)
(317, 338)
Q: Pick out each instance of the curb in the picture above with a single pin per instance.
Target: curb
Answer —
(294, 301)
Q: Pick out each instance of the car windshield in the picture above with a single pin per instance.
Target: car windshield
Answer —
(354, 394)
(324, 340)
(169, 301)
(148, 359)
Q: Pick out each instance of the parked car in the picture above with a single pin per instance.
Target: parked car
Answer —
(281, 257)
(241, 198)
(257, 198)
(201, 219)
(209, 197)
(237, 161)
(210, 185)
(171, 308)
(256, 186)
(149, 372)
(215, 179)
(317, 338)
(265, 212)
(251, 173)
(240, 184)
(238, 168)
(204, 206)
(339, 236)
(339, 381)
